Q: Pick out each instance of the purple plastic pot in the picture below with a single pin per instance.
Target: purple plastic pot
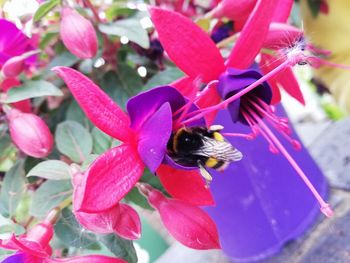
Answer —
(261, 203)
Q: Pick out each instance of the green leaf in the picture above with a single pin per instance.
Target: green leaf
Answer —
(120, 247)
(49, 195)
(72, 233)
(75, 113)
(164, 77)
(64, 59)
(12, 189)
(138, 199)
(122, 85)
(5, 145)
(7, 226)
(73, 140)
(130, 27)
(32, 89)
(314, 6)
(44, 9)
(51, 169)
(101, 141)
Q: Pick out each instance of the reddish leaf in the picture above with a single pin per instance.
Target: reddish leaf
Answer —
(110, 178)
(191, 49)
(98, 107)
(252, 36)
(186, 185)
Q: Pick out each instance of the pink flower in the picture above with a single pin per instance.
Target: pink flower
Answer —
(144, 132)
(30, 133)
(121, 219)
(194, 53)
(78, 34)
(187, 223)
(34, 247)
(15, 65)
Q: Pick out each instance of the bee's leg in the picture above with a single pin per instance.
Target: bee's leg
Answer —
(206, 175)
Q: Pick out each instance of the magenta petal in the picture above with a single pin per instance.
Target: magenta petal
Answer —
(98, 107)
(191, 49)
(129, 223)
(23, 245)
(252, 36)
(234, 9)
(87, 259)
(282, 11)
(186, 185)
(110, 178)
(154, 136)
(187, 223)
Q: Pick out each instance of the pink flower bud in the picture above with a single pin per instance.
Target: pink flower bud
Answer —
(29, 133)
(13, 67)
(187, 223)
(121, 219)
(78, 34)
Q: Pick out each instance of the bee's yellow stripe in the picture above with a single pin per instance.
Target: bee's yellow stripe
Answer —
(211, 162)
(218, 137)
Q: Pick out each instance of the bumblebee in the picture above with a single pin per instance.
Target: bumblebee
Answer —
(202, 147)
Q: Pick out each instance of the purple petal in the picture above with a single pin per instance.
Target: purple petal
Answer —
(18, 258)
(154, 136)
(234, 80)
(142, 106)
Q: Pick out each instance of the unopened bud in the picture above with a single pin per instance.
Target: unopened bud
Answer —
(78, 34)
(30, 133)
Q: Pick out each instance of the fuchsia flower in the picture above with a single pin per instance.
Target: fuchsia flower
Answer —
(30, 133)
(34, 247)
(145, 133)
(13, 43)
(196, 55)
(78, 34)
(121, 219)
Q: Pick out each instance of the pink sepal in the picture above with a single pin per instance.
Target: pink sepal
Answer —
(186, 86)
(187, 223)
(110, 177)
(98, 107)
(23, 245)
(191, 49)
(234, 9)
(282, 11)
(86, 259)
(281, 36)
(252, 36)
(185, 185)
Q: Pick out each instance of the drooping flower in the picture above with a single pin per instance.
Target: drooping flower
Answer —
(78, 34)
(34, 246)
(30, 133)
(121, 219)
(187, 223)
(198, 57)
(144, 132)
(13, 43)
